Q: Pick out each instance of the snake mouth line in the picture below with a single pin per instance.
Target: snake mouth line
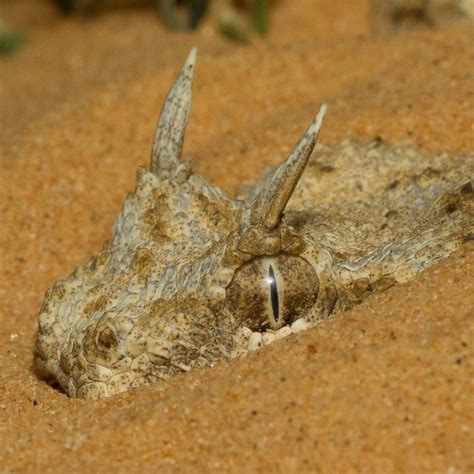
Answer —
(258, 339)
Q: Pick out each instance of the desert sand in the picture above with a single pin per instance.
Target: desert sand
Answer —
(385, 387)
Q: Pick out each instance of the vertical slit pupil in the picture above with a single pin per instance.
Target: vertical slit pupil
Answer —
(274, 294)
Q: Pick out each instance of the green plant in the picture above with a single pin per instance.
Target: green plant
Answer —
(10, 41)
(236, 19)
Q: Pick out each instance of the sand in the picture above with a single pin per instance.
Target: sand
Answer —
(386, 387)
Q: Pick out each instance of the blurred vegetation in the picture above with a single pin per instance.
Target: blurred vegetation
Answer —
(237, 20)
(10, 40)
(396, 15)
(234, 20)
(194, 10)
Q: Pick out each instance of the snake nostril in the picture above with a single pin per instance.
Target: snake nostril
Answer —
(106, 338)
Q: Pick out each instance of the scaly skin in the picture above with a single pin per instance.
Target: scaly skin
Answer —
(192, 276)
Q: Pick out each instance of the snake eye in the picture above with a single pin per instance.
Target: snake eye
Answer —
(272, 291)
(274, 298)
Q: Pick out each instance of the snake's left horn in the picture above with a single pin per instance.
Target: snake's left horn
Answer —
(169, 136)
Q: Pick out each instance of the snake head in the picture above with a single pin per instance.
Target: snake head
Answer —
(187, 276)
